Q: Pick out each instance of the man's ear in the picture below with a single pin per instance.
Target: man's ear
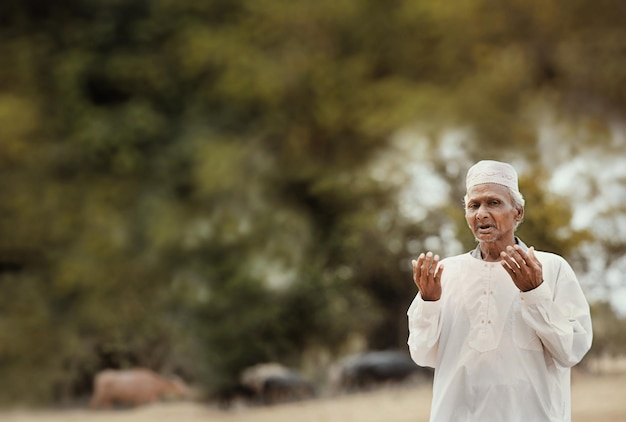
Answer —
(520, 214)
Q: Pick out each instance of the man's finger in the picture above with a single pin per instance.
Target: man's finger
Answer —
(510, 260)
(433, 265)
(419, 264)
(517, 255)
(508, 268)
(437, 277)
(426, 263)
(415, 272)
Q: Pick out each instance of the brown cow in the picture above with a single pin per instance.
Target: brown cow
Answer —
(133, 387)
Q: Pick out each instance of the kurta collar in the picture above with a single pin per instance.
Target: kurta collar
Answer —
(478, 255)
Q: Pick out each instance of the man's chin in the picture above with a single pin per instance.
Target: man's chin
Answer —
(485, 239)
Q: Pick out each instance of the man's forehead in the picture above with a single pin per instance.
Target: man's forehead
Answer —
(488, 190)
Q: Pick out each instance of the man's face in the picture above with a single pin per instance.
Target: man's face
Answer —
(490, 213)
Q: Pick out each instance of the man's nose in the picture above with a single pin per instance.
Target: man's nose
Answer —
(481, 212)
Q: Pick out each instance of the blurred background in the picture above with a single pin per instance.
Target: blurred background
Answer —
(199, 186)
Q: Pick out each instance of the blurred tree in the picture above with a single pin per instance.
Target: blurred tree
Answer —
(609, 332)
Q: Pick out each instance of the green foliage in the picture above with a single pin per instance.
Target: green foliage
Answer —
(547, 219)
(609, 331)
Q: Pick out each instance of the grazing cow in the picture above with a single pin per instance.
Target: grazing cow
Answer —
(133, 387)
(290, 387)
(371, 369)
(273, 383)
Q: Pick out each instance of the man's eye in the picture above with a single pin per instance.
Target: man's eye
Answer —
(494, 203)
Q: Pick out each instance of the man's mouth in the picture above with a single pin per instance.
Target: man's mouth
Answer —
(484, 227)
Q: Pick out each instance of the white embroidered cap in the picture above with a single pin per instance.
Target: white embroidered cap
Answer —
(488, 171)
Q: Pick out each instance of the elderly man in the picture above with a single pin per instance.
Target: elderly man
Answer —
(503, 324)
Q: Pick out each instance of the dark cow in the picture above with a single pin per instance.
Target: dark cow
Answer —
(290, 387)
(372, 369)
(273, 383)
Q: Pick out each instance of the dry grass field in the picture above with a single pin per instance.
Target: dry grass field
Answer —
(595, 399)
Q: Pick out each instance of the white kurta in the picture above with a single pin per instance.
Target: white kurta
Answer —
(501, 355)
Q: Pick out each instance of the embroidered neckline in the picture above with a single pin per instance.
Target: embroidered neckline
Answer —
(476, 253)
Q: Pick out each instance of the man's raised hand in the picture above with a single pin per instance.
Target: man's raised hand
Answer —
(523, 267)
(427, 276)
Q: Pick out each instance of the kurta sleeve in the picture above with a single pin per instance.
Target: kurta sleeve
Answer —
(559, 313)
(424, 330)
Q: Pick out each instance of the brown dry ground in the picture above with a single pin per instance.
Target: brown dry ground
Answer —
(594, 399)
